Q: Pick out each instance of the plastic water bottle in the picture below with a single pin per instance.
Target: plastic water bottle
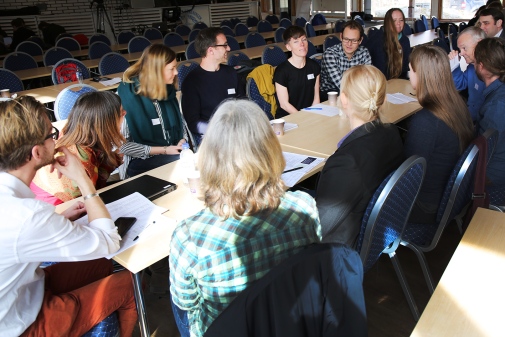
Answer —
(188, 161)
(78, 74)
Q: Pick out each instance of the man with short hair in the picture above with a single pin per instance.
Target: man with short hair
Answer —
(490, 68)
(467, 40)
(50, 31)
(341, 57)
(491, 22)
(65, 299)
(209, 84)
(21, 33)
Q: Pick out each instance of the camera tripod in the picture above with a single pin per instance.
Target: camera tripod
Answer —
(101, 14)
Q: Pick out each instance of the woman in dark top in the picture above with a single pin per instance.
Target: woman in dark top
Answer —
(440, 131)
(364, 157)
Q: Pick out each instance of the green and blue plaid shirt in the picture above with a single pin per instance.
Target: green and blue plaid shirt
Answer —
(212, 261)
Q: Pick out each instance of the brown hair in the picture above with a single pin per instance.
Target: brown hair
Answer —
(437, 93)
(352, 24)
(94, 122)
(491, 53)
(293, 32)
(149, 70)
(392, 45)
(206, 38)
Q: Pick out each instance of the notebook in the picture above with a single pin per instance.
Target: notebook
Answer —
(149, 186)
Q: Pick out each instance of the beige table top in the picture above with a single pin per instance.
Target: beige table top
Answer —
(469, 298)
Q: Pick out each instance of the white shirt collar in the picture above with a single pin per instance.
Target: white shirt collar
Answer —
(499, 33)
(10, 184)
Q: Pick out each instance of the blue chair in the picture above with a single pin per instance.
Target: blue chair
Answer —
(311, 32)
(462, 26)
(254, 95)
(200, 25)
(138, 44)
(235, 21)
(182, 30)
(278, 34)
(386, 216)
(330, 41)
(285, 23)
(458, 193)
(373, 31)
(419, 26)
(226, 23)
(264, 26)
(66, 99)
(30, 48)
(68, 43)
(54, 55)
(232, 42)
(252, 21)
(339, 26)
(227, 31)
(273, 19)
(425, 21)
(38, 41)
(63, 35)
(191, 52)
(235, 58)
(19, 61)
(9, 80)
(453, 42)
(434, 22)
(109, 327)
(407, 30)
(112, 63)
(300, 22)
(318, 19)
(173, 39)
(99, 37)
(193, 34)
(241, 29)
(125, 36)
(318, 58)
(98, 49)
(82, 68)
(183, 69)
(359, 20)
(254, 40)
(273, 55)
(453, 29)
(442, 44)
(153, 34)
(311, 49)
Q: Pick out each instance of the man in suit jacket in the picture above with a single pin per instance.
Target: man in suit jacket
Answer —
(491, 22)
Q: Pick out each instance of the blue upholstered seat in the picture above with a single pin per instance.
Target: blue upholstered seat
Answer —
(98, 49)
(67, 97)
(138, 44)
(273, 55)
(153, 34)
(9, 80)
(99, 37)
(55, 54)
(112, 63)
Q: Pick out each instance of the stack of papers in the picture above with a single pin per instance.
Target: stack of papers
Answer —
(110, 82)
(324, 109)
(400, 98)
(298, 165)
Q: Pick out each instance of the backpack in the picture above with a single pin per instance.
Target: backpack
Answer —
(66, 72)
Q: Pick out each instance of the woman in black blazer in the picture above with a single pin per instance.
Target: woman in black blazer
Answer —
(364, 157)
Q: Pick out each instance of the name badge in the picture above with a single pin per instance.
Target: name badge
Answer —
(156, 121)
(310, 76)
(231, 91)
(476, 86)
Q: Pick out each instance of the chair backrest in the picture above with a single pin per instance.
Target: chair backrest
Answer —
(309, 29)
(173, 39)
(67, 97)
(232, 42)
(339, 26)
(235, 21)
(425, 21)
(285, 23)
(330, 41)
(316, 292)
(235, 57)
(318, 19)
(191, 52)
(182, 30)
(407, 30)
(388, 211)
(264, 26)
(98, 49)
(462, 26)
(252, 21)
(254, 40)
(153, 34)
(359, 20)
(278, 34)
(311, 49)
(138, 44)
(192, 35)
(442, 44)
(125, 36)
(273, 19)
(62, 35)
(453, 29)
(434, 22)
(318, 58)
(54, 55)
(373, 31)
(419, 26)
(99, 37)
(227, 23)
(112, 63)
(300, 22)
(38, 41)
(30, 48)
(273, 55)
(228, 31)
(241, 29)
(19, 61)
(254, 95)
(63, 78)
(68, 43)
(9, 80)
(183, 69)
(200, 25)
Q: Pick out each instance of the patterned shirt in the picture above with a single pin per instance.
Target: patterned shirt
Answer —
(335, 62)
(212, 261)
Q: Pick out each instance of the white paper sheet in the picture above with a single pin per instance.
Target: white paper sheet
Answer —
(110, 82)
(454, 63)
(400, 98)
(323, 109)
(294, 160)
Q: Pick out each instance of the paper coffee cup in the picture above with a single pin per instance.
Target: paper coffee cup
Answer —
(278, 125)
(5, 93)
(332, 98)
(194, 182)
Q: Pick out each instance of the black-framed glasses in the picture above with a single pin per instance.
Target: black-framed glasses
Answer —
(226, 45)
(347, 40)
(54, 135)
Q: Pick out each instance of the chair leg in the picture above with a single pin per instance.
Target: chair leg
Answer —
(424, 265)
(405, 286)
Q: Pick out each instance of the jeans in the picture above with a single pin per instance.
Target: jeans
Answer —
(181, 319)
(138, 165)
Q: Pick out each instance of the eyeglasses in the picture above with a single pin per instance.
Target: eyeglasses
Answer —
(221, 45)
(347, 40)
(55, 135)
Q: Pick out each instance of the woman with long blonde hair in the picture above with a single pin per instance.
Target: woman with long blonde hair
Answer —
(440, 132)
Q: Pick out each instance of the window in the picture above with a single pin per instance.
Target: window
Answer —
(460, 9)
(420, 7)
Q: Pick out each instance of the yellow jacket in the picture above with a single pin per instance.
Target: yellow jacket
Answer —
(263, 76)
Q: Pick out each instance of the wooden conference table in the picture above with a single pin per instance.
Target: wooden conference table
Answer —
(469, 298)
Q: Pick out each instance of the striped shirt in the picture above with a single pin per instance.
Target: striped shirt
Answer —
(212, 261)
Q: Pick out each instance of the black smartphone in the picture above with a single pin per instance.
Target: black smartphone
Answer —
(123, 224)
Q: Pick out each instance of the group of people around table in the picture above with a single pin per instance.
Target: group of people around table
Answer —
(250, 223)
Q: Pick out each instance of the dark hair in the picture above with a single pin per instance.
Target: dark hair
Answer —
(352, 24)
(497, 14)
(43, 25)
(293, 32)
(495, 4)
(206, 38)
(491, 53)
(18, 22)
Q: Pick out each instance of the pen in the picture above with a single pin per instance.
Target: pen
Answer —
(144, 229)
(293, 169)
(313, 109)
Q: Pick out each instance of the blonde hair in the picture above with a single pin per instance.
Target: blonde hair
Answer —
(392, 44)
(365, 88)
(241, 161)
(436, 91)
(149, 70)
